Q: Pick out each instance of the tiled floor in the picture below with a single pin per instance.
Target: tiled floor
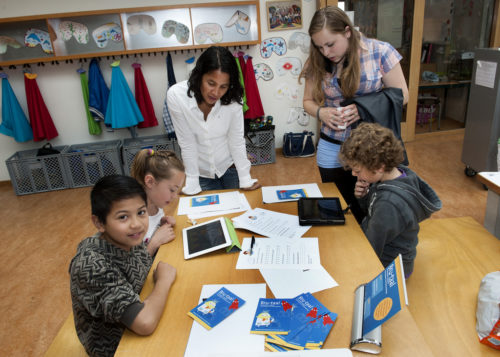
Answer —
(41, 232)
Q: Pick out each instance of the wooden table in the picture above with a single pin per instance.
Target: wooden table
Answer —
(492, 214)
(345, 254)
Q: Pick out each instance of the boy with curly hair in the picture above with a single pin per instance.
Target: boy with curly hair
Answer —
(393, 196)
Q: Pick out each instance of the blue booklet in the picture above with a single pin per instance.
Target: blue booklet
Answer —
(205, 201)
(384, 296)
(311, 323)
(291, 194)
(216, 308)
(272, 316)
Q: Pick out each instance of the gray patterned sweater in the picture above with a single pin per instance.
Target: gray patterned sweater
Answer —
(105, 285)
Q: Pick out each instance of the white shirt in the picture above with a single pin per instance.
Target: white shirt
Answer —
(154, 224)
(208, 147)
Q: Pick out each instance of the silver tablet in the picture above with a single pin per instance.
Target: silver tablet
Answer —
(205, 238)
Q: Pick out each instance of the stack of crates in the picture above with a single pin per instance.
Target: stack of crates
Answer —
(86, 163)
(30, 173)
(156, 142)
(260, 146)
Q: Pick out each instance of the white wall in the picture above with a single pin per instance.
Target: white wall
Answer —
(61, 89)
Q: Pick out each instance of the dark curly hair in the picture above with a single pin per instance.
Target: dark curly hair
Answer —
(216, 58)
(372, 145)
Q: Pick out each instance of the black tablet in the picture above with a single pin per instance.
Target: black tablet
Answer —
(315, 211)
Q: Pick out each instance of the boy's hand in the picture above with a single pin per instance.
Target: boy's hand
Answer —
(361, 188)
(164, 273)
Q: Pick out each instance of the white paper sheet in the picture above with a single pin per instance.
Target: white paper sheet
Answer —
(486, 73)
(270, 224)
(244, 206)
(273, 194)
(208, 203)
(275, 253)
(325, 352)
(232, 334)
(303, 281)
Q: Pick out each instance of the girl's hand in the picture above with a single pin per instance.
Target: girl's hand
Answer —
(331, 117)
(164, 234)
(167, 219)
(361, 188)
(350, 114)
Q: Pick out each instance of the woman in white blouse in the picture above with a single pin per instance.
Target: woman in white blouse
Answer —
(207, 115)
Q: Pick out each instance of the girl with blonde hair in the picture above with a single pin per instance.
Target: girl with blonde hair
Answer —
(342, 65)
(162, 175)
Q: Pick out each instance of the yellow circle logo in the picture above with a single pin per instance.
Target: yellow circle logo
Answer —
(382, 309)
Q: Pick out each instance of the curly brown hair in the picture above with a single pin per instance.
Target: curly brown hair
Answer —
(372, 146)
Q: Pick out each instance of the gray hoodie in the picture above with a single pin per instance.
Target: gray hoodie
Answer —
(394, 210)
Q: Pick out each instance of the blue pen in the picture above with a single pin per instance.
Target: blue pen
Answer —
(252, 244)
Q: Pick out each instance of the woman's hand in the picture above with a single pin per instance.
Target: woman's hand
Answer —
(255, 186)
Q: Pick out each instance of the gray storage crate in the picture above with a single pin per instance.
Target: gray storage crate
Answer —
(86, 163)
(260, 147)
(31, 174)
(156, 142)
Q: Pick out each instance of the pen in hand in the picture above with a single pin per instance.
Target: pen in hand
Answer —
(252, 244)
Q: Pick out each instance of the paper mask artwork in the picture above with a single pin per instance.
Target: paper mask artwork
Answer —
(171, 27)
(241, 21)
(6, 40)
(300, 40)
(67, 29)
(106, 32)
(34, 37)
(209, 30)
(264, 71)
(289, 64)
(276, 44)
(145, 22)
(284, 90)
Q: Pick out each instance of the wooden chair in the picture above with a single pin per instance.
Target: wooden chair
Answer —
(66, 342)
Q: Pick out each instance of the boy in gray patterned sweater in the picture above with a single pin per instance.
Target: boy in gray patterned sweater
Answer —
(110, 268)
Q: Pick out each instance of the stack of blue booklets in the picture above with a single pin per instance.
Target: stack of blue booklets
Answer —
(293, 324)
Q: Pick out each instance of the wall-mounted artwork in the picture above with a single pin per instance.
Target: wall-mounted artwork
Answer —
(284, 15)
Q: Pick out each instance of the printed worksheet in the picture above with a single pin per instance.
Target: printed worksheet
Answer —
(270, 224)
(209, 203)
(276, 253)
